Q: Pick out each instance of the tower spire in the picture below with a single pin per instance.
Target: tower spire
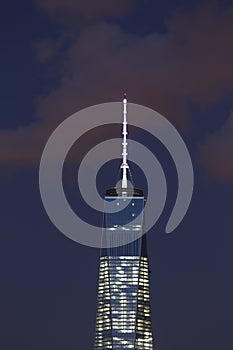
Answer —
(124, 165)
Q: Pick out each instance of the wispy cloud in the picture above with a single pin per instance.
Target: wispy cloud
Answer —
(73, 13)
(191, 63)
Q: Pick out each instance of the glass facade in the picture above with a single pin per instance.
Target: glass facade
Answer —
(123, 314)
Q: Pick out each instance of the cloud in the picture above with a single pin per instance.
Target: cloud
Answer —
(22, 147)
(46, 49)
(72, 12)
(104, 61)
(191, 63)
(215, 154)
(204, 39)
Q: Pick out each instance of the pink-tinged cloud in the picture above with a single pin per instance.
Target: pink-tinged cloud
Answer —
(191, 63)
(46, 49)
(22, 147)
(205, 40)
(215, 154)
(104, 61)
(71, 12)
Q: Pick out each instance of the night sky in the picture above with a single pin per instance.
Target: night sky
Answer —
(59, 56)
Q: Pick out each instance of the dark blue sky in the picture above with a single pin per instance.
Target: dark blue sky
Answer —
(173, 57)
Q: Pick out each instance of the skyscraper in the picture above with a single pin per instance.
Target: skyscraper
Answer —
(123, 318)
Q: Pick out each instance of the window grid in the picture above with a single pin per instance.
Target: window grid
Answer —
(123, 313)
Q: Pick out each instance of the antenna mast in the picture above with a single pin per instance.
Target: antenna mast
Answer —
(124, 165)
